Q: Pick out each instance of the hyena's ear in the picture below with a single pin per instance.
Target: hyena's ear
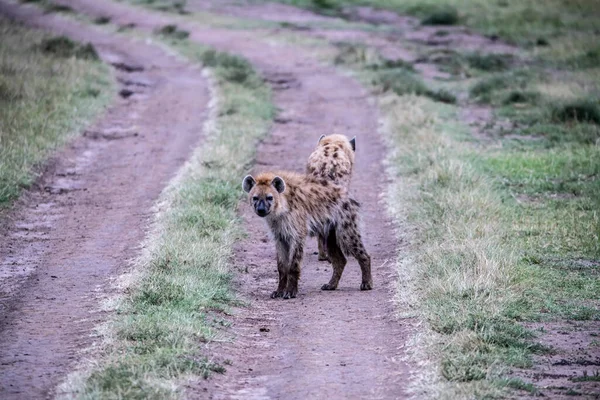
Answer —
(248, 183)
(321, 138)
(353, 143)
(278, 184)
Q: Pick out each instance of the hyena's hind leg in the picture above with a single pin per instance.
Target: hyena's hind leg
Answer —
(322, 242)
(359, 252)
(338, 261)
(350, 241)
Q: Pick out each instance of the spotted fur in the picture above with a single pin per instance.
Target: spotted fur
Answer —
(333, 159)
(294, 205)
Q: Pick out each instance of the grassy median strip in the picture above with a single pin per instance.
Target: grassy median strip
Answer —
(50, 87)
(173, 307)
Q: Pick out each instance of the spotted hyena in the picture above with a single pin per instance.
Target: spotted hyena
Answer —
(294, 205)
(333, 159)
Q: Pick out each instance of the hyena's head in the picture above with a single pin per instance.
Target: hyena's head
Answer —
(338, 142)
(264, 192)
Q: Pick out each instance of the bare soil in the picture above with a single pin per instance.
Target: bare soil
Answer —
(86, 215)
(573, 366)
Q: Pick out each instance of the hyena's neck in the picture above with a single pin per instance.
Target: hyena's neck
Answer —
(282, 228)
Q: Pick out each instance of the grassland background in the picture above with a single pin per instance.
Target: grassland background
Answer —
(45, 98)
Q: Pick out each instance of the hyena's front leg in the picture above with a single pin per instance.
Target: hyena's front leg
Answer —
(283, 277)
(294, 273)
(283, 256)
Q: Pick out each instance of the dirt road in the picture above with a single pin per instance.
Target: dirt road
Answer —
(82, 229)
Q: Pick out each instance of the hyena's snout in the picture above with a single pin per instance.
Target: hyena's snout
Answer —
(262, 208)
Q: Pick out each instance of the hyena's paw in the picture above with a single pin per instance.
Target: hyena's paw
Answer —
(324, 257)
(328, 286)
(290, 295)
(366, 286)
(276, 294)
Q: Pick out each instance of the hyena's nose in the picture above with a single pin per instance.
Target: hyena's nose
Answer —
(261, 209)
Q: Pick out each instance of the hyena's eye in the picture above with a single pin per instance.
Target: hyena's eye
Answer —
(255, 198)
(270, 198)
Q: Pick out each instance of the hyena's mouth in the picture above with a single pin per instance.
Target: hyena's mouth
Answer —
(262, 213)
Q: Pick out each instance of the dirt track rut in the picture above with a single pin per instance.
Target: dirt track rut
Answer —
(342, 344)
(90, 210)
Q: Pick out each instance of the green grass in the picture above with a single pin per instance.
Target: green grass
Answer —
(50, 6)
(62, 46)
(489, 62)
(438, 14)
(502, 236)
(580, 110)
(50, 87)
(518, 384)
(181, 292)
(389, 75)
(171, 6)
(494, 88)
(172, 32)
(559, 115)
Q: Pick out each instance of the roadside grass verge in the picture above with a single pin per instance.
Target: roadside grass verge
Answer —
(501, 236)
(50, 87)
(179, 294)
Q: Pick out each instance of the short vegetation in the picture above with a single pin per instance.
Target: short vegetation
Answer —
(389, 75)
(172, 32)
(49, 88)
